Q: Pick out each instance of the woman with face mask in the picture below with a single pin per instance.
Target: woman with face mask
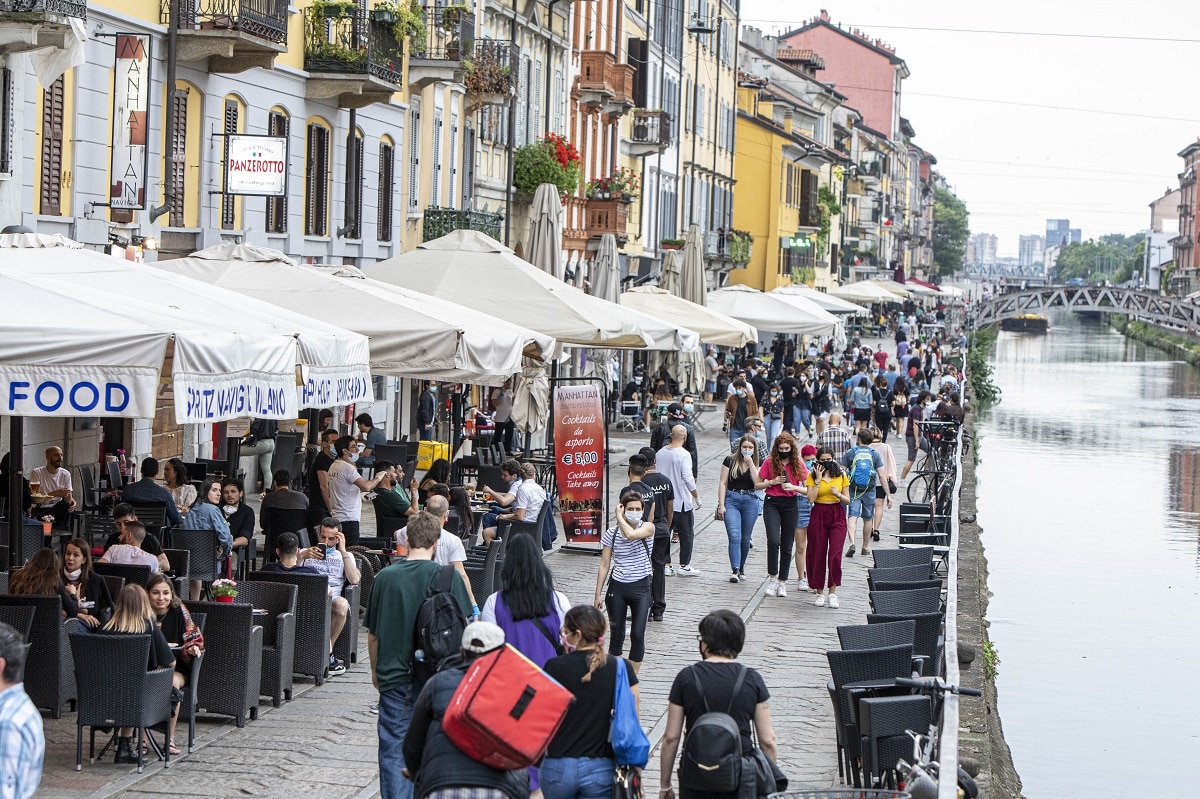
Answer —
(626, 549)
(740, 408)
(737, 503)
(782, 475)
(772, 409)
(579, 762)
(87, 588)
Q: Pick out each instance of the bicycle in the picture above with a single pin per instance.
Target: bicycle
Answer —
(920, 778)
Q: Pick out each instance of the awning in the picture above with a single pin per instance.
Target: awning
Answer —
(769, 312)
(895, 288)
(863, 291)
(714, 327)
(835, 305)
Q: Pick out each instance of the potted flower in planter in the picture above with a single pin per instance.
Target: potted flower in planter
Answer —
(551, 159)
(385, 12)
(671, 244)
(224, 590)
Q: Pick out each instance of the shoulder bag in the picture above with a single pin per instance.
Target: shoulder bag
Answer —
(630, 745)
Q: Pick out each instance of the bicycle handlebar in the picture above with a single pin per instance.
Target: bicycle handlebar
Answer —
(928, 685)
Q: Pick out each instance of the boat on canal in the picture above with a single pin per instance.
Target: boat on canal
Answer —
(1027, 323)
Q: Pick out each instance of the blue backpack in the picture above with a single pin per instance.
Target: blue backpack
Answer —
(862, 467)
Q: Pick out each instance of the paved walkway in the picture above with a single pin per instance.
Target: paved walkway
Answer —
(323, 741)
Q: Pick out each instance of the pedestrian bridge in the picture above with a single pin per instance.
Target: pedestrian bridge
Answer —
(1145, 306)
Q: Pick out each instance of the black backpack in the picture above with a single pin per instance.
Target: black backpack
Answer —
(438, 631)
(712, 749)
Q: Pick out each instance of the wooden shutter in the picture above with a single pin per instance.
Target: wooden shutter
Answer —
(179, 108)
(522, 103)
(277, 125)
(435, 198)
(468, 180)
(229, 201)
(639, 56)
(354, 192)
(53, 100)
(450, 193)
(414, 158)
(316, 199)
(6, 120)
(387, 190)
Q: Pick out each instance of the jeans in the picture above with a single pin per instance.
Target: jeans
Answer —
(774, 425)
(426, 433)
(684, 522)
(660, 556)
(734, 434)
(577, 777)
(780, 515)
(623, 599)
(801, 419)
(395, 713)
(741, 512)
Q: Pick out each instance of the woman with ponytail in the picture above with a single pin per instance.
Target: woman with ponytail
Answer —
(579, 763)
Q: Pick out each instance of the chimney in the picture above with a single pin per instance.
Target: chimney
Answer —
(824, 15)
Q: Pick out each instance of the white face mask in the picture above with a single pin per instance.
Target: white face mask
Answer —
(353, 457)
(633, 516)
(75, 574)
(230, 508)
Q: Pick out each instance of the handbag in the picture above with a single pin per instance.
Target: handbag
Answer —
(891, 486)
(630, 745)
(627, 783)
(768, 777)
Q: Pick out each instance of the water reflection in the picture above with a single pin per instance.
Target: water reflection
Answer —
(1089, 497)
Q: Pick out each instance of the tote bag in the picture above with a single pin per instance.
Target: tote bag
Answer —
(630, 745)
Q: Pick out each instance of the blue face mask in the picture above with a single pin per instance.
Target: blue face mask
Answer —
(689, 408)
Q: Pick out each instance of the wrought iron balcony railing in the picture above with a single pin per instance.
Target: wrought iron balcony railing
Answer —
(64, 8)
(266, 19)
(449, 34)
(651, 127)
(440, 221)
(350, 44)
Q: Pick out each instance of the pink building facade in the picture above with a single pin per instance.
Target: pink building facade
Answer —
(866, 70)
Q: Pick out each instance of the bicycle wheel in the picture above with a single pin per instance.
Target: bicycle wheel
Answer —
(920, 489)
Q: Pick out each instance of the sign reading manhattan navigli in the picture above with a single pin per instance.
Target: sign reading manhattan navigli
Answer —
(256, 165)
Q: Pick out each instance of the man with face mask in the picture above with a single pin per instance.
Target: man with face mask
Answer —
(317, 487)
(345, 485)
(427, 411)
(740, 408)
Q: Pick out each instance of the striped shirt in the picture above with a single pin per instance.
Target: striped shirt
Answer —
(22, 744)
(630, 559)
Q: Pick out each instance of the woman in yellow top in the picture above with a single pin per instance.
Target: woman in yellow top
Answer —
(829, 493)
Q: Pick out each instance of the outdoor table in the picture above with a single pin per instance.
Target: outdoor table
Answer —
(864, 689)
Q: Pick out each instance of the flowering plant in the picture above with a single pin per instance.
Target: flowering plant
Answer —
(620, 184)
(224, 588)
(551, 159)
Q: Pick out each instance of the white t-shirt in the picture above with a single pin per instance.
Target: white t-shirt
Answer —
(449, 550)
(333, 566)
(51, 481)
(561, 606)
(130, 555)
(530, 496)
(347, 499)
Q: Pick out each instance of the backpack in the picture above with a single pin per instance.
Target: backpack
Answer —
(860, 397)
(881, 403)
(438, 630)
(712, 749)
(862, 467)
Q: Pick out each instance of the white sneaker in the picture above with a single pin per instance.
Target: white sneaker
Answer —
(820, 601)
(803, 584)
(772, 586)
(733, 578)
(781, 589)
(686, 571)
(669, 570)
(833, 602)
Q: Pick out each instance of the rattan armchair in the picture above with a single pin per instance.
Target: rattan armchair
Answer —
(279, 633)
(233, 652)
(311, 649)
(49, 671)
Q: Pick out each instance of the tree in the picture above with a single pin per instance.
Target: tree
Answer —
(1113, 257)
(950, 232)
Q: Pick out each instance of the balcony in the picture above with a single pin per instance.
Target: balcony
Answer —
(449, 40)
(605, 84)
(607, 216)
(27, 25)
(488, 74)
(438, 222)
(810, 215)
(348, 58)
(733, 246)
(1185, 209)
(651, 133)
(230, 36)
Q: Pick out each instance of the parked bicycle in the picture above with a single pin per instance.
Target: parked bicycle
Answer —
(920, 778)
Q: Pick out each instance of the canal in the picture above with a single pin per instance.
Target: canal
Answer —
(1089, 498)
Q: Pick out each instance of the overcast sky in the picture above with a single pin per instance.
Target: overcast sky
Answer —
(994, 107)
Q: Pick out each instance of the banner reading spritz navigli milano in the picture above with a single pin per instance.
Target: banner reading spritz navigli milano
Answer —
(579, 445)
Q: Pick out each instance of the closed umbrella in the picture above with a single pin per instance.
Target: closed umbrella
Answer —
(546, 230)
(606, 284)
(693, 286)
(531, 401)
(669, 279)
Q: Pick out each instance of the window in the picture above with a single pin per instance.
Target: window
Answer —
(435, 198)
(354, 185)
(414, 153)
(522, 103)
(559, 101)
(6, 120)
(387, 189)
(53, 99)
(229, 201)
(316, 181)
(453, 160)
(277, 125)
(179, 108)
(810, 215)
(535, 101)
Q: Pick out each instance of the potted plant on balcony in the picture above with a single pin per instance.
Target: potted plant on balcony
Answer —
(385, 12)
(334, 9)
(739, 246)
(625, 184)
(453, 14)
(671, 244)
(486, 79)
(410, 22)
(551, 159)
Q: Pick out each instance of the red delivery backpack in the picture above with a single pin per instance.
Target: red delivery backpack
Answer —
(506, 710)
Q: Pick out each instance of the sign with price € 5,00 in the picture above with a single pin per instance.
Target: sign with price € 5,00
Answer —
(579, 445)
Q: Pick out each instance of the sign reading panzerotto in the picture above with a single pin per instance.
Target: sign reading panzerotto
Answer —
(579, 446)
(256, 165)
(131, 112)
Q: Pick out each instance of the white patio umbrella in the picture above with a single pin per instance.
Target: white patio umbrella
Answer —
(470, 268)
(806, 306)
(606, 285)
(863, 291)
(693, 287)
(411, 334)
(545, 231)
(669, 279)
(899, 289)
(835, 305)
(769, 312)
(531, 400)
(232, 357)
(714, 327)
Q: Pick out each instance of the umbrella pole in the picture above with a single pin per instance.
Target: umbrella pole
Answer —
(16, 450)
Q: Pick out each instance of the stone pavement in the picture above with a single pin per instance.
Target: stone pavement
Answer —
(323, 741)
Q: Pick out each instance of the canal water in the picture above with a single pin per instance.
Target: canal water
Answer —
(1089, 498)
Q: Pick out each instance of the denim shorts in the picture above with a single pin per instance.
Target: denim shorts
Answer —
(805, 510)
(862, 504)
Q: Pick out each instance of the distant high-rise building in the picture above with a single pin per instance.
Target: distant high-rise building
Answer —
(981, 249)
(1059, 232)
(1076, 235)
(1031, 251)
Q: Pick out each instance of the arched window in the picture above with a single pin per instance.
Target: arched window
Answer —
(316, 177)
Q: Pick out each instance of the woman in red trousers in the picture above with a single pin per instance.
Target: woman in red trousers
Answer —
(829, 493)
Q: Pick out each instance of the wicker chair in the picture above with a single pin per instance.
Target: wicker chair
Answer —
(900, 574)
(153, 516)
(18, 617)
(276, 521)
(32, 539)
(896, 558)
(902, 585)
(346, 646)
(187, 708)
(114, 583)
(369, 566)
(873, 636)
(279, 634)
(883, 723)
(927, 640)
(903, 603)
(311, 650)
(483, 573)
(233, 651)
(139, 575)
(49, 672)
(115, 690)
(98, 528)
(857, 665)
(202, 548)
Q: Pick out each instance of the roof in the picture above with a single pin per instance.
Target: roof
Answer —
(858, 37)
(824, 87)
(812, 145)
